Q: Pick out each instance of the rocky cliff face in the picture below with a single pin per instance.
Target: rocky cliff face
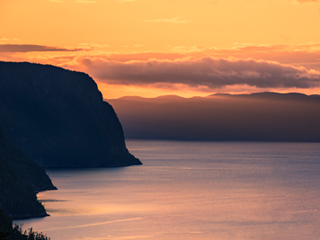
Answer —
(20, 179)
(58, 118)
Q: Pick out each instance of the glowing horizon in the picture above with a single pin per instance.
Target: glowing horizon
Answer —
(196, 47)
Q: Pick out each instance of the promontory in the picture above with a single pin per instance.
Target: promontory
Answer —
(59, 119)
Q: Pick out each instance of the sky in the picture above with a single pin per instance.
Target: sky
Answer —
(160, 47)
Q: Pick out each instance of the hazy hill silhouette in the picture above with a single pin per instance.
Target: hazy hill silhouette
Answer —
(58, 117)
(222, 117)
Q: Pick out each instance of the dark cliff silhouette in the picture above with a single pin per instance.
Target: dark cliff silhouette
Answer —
(222, 117)
(59, 119)
(20, 179)
(7, 232)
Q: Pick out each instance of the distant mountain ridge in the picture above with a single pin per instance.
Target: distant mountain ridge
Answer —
(58, 118)
(273, 95)
(267, 116)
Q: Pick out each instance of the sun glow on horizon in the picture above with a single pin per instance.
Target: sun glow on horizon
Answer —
(98, 36)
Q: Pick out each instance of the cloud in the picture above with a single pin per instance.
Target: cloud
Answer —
(184, 49)
(175, 20)
(78, 1)
(124, 1)
(138, 45)
(305, 1)
(4, 39)
(86, 1)
(201, 72)
(143, 56)
(90, 46)
(33, 48)
(306, 55)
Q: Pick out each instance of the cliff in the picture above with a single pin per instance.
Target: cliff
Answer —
(7, 232)
(20, 179)
(59, 119)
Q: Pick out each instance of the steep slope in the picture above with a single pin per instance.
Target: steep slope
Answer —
(58, 117)
(8, 232)
(20, 179)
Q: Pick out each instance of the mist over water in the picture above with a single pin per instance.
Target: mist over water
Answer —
(190, 190)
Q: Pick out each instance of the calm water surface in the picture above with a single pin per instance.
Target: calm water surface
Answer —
(190, 190)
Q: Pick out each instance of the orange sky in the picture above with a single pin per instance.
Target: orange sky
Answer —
(184, 47)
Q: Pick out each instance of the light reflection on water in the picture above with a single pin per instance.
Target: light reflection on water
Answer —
(190, 190)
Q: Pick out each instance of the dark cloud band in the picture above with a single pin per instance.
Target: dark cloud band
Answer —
(32, 48)
(209, 72)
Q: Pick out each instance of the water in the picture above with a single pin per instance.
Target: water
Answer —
(190, 190)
